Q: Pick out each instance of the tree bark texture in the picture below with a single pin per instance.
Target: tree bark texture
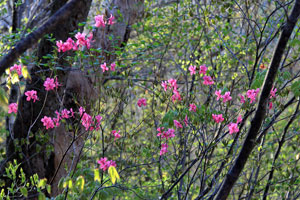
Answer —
(259, 116)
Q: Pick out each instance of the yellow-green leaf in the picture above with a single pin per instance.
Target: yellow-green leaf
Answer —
(41, 196)
(113, 174)
(25, 73)
(14, 78)
(42, 183)
(24, 191)
(80, 182)
(96, 175)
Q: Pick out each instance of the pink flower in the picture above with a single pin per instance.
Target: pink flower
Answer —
(203, 69)
(177, 124)
(273, 92)
(242, 98)
(65, 114)
(226, 97)
(116, 134)
(164, 84)
(87, 121)
(32, 94)
(160, 131)
(111, 20)
(186, 121)
(270, 105)
(142, 102)
(98, 122)
(170, 133)
(112, 66)
(104, 68)
(81, 41)
(164, 149)
(81, 111)
(60, 46)
(193, 107)
(99, 21)
(218, 118)
(218, 93)
(192, 70)
(13, 108)
(56, 121)
(47, 122)
(252, 94)
(17, 68)
(49, 84)
(173, 83)
(105, 164)
(176, 96)
(233, 128)
(239, 119)
(207, 80)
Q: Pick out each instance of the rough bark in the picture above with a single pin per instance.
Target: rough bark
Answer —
(256, 123)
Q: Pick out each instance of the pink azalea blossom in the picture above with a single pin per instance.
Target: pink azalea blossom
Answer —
(176, 96)
(98, 122)
(203, 69)
(142, 102)
(32, 94)
(81, 41)
(239, 119)
(81, 111)
(17, 68)
(105, 164)
(160, 131)
(87, 122)
(164, 84)
(47, 122)
(207, 80)
(112, 66)
(99, 21)
(173, 83)
(49, 84)
(273, 92)
(65, 114)
(164, 149)
(186, 121)
(177, 124)
(192, 70)
(226, 97)
(270, 105)
(193, 107)
(12, 108)
(104, 68)
(252, 94)
(111, 20)
(218, 118)
(233, 128)
(242, 98)
(116, 134)
(218, 93)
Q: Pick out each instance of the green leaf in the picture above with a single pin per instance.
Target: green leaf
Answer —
(24, 191)
(42, 183)
(80, 182)
(296, 88)
(97, 175)
(14, 78)
(42, 196)
(113, 174)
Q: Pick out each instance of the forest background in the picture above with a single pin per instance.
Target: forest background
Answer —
(139, 99)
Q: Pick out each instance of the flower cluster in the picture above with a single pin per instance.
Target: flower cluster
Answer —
(17, 68)
(51, 84)
(116, 134)
(99, 19)
(13, 108)
(142, 102)
(49, 122)
(172, 85)
(70, 44)
(31, 94)
(218, 118)
(233, 127)
(105, 164)
(226, 97)
(105, 68)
